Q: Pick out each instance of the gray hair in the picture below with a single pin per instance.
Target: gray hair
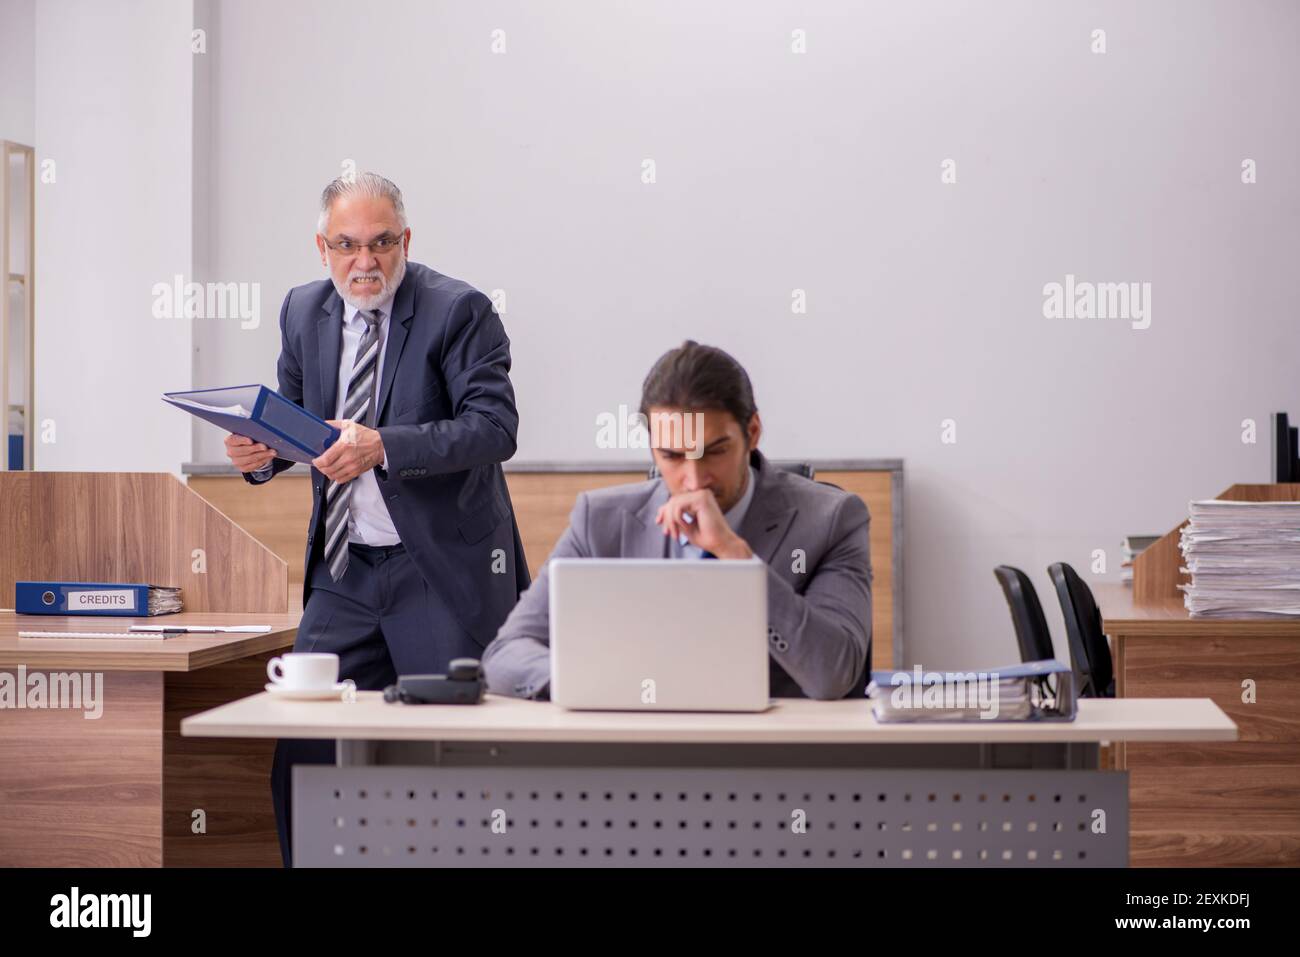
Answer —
(366, 184)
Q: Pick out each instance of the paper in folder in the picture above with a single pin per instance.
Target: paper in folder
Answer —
(264, 416)
(95, 598)
(1030, 691)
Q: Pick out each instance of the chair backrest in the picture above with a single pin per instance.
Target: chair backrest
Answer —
(1026, 614)
(1089, 651)
(798, 468)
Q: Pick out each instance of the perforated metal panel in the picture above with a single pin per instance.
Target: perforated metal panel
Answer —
(705, 817)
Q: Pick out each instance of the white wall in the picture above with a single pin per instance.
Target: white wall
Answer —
(776, 171)
(17, 70)
(113, 107)
(17, 104)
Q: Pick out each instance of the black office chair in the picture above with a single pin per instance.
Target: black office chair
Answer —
(1026, 614)
(1089, 651)
(798, 468)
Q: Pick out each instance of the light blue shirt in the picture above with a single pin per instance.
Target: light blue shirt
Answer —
(734, 516)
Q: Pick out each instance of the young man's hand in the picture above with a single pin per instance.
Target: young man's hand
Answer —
(706, 528)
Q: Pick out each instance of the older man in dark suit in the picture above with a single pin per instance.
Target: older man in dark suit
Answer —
(413, 555)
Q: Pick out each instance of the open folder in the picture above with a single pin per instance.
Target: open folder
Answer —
(263, 415)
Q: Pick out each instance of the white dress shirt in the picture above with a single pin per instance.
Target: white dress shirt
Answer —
(734, 516)
(368, 520)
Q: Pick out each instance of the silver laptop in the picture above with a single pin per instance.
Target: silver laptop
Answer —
(653, 634)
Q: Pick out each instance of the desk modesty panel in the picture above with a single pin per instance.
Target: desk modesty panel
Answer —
(715, 816)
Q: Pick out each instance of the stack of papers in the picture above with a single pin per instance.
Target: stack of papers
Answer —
(164, 600)
(195, 405)
(1243, 559)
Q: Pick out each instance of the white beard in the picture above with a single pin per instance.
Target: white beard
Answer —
(375, 299)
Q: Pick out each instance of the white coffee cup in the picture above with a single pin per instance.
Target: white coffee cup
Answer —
(304, 671)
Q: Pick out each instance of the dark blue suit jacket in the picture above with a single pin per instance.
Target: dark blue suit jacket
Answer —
(446, 412)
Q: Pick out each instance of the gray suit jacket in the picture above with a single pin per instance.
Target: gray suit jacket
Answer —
(818, 604)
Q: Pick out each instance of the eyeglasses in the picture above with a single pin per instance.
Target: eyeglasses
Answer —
(347, 247)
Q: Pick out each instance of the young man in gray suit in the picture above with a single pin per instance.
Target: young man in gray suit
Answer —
(813, 537)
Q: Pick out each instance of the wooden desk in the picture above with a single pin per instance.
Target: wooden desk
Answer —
(183, 653)
(1209, 804)
(524, 783)
(121, 789)
(789, 721)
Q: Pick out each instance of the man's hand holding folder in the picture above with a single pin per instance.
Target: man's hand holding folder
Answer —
(358, 449)
(247, 455)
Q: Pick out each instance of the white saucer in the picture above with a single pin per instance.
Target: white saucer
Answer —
(333, 692)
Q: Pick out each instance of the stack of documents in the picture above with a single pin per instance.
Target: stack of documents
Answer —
(164, 600)
(1019, 692)
(1243, 559)
(95, 598)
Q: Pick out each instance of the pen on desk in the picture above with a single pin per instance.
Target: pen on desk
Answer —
(200, 629)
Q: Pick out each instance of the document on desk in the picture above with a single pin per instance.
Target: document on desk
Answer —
(1243, 559)
(1028, 691)
(206, 629)
(96, 598)
(153, 632)
(263, 415)
(132, 636)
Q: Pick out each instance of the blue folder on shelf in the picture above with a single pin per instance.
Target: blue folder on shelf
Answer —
(264, 416)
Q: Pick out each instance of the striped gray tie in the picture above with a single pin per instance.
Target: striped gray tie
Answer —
(359, 407)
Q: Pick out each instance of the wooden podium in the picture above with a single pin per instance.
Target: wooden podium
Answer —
(124, 788)
(1209, 804)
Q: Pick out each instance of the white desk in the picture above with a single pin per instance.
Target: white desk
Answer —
(519, 783)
